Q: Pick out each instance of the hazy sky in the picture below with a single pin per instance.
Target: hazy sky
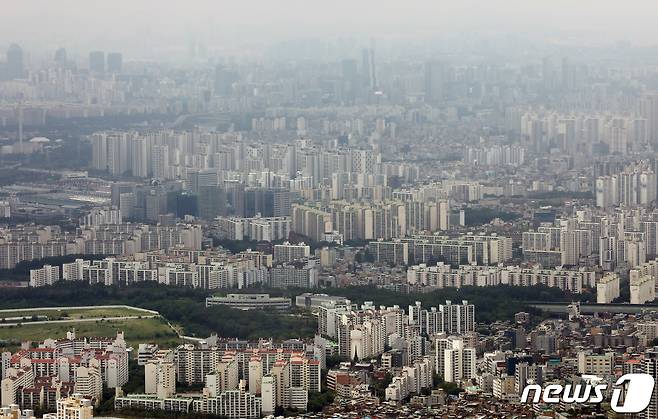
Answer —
(140, 26)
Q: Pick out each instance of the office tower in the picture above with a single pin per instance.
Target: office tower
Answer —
(350, 76)
(15, 65)
(235, 198)
(434, 81)
(61, 57)
(549, 74)
(349, 69)
(117, 189)
(640, 132)
(211, 202)
(282, 200)
(155, 204)
(373, 71)
(568, 74)
(566, 133)
(127, 204)
(267, 202)
(97, 62)
(368, 71)
(197, 179)
(114, 62)
(255, 202)
(224, 80)
(649, 110)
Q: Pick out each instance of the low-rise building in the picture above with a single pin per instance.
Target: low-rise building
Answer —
(251, 302)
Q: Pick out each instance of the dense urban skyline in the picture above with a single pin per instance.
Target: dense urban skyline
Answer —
(328, 209)
(150, 29)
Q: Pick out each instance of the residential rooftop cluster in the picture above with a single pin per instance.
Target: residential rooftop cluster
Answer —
(379, 209)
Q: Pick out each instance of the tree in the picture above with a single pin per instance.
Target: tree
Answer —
(450, 388)
(333, 361)
(379, 386)
(317, 401)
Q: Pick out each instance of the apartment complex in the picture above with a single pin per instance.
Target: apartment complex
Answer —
(444, 276)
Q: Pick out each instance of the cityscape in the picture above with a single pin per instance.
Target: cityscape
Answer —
(373, 209)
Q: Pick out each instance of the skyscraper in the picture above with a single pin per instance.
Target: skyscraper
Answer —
(373, 71)
(15, 66)
(549, 73)
(224, 79)
(60, 57)
(350, 80)
(365, 68)
(97, 62)
(649, 109)
(114, 62)
(211, 202)
(434, 81)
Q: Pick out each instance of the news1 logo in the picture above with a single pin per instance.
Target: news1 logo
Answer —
(638, 392)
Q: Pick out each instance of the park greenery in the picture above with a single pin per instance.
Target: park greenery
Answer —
(185, 307)
(482, 215)
(136, 331)
(181, 306)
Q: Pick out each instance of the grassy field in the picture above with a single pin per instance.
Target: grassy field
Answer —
(136, 331)
(70, 313)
